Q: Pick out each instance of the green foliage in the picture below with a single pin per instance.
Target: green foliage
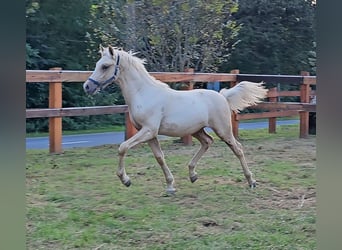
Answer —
(57, 30)
(58, 35)
(32, 57)
(276, 37)
(312, 59)
(262, 36)
(175, 35)
(106, 23)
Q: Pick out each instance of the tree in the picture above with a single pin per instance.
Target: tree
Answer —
(58, 30)
(106, 22)
(261, 36)
(174, 35)
(276, 37)
(58, 36)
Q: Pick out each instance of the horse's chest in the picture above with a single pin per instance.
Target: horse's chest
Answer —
(141, 114)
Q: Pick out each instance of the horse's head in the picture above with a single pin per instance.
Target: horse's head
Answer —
(106, 71)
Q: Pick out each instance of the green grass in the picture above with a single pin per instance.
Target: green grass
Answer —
(75, 200)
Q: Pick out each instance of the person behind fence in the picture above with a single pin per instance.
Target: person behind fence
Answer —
(214, 86)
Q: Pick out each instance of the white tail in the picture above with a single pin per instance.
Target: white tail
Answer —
(244, 94)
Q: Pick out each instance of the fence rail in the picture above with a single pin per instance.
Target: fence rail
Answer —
(56, 76)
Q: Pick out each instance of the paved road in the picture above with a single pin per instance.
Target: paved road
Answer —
(90, 140)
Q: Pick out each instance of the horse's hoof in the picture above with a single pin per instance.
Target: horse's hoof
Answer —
(171, 191)
(193, 178)
(253, 185)
(127, 183)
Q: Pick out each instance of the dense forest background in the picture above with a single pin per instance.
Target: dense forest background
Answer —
(261, 36)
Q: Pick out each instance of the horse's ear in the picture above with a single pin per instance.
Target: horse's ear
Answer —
(101, 49)
(111, 50)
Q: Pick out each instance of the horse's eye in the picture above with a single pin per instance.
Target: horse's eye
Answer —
(104, 67)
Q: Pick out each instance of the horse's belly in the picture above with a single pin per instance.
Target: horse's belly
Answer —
(177, 128)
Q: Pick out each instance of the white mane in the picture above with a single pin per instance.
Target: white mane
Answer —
(129, 59)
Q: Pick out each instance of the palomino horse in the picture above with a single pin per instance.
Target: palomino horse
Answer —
(155, 108)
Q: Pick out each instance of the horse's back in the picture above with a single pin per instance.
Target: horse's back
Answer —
(212, 100)
(186, 112)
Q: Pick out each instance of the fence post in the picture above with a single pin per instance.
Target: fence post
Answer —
(187, 139)
(235, 121)
(304, 115)
(272, 121)
(55, 123)
(130, 129)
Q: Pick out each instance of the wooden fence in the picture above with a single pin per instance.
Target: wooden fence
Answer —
(56, 76)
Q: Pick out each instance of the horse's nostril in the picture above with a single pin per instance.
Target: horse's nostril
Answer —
(86, 87)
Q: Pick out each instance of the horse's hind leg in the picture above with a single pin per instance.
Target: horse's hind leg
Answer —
(205, 140)
(236, 147)
(158, 154)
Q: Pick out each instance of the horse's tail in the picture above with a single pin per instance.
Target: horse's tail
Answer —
(244, 94)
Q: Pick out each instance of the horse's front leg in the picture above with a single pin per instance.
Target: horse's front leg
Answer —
(142, 135)
(158, 154)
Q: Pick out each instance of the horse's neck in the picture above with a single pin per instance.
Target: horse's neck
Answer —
(134, 85)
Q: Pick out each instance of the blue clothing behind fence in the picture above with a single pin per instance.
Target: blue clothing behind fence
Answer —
(214, 86)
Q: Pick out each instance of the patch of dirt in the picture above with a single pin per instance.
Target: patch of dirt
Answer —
(209, 223)
(300, 151)
(294, 199)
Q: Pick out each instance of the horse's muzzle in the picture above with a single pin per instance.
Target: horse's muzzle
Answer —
(89, 88)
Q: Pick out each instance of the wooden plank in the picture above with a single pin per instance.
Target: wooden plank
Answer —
(55, 123)
(56, 76)
(130, 129)
(310, 107)
(305, 90)
(234, 120)
(309, 80)
(272, 121)
(303, 124)
(187, 139)
(55, 135)
(266, 114)
(272, 125)
(76, 111)
(43, 76)
(80, 76)
(169, 77)
(305, 93)
(293, 79)
(212, 77)
(55, 95)
(283, 93)
(75, 76)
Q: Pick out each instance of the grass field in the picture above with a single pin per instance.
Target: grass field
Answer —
(75, 200)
